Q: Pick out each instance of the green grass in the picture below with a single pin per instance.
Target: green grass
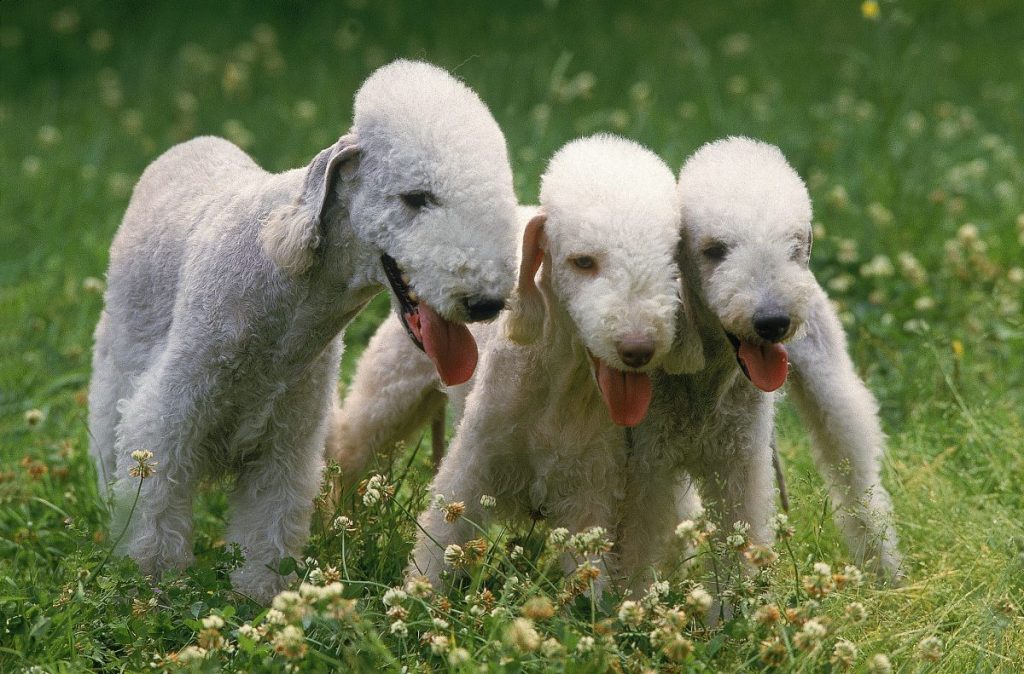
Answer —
(907, 129)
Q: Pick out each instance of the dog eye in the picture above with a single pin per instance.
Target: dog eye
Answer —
(583, 262)
(715, 252)
(418, 200)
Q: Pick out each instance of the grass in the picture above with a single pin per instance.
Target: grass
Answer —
(907, 128)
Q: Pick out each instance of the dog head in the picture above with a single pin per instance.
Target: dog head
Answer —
(605, 236)
(423, 181)
(747, 243)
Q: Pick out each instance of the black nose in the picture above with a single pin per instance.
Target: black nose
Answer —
(483, 308)
(635, 352)
(771, 327)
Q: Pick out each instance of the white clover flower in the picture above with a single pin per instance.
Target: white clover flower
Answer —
(847, 253)
(375, 490)
(453, 555)
(305, 110)
(399, 629)
(34, 417)
(458, 656)
(394, 597)
(687, 530)
(290, 642)
(516, 552)
(844, 654)
(810, 635)
(557, 538)
(249, 632)
(879, 664)
(590, 542)
(522, 636)
(419, 587)
(854, 576)
(551, 648)
(438, 501)
(439, 644)
(735, 541)
(631, 613)
(880, 266)
(291, 605)
(924, 303)
(275, 617)
(930, 649)
(912, 269)
(699, 599)
(841, 283)
(191, 654)
(1015, 275)
(91, 284)
(968, 233)
(879, 214)
(657, 591)
(488, 502)
(856, 612)
(822, 569)
(440, 624)
(213, 622)
(585, 645)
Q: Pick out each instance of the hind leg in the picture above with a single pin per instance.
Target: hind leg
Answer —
(394, 393)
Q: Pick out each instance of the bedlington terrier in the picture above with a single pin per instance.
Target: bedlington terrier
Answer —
(542, 427)
(745, 252)
(834, 404)
(228, 289)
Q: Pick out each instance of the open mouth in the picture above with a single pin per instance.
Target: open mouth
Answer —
(448, 344)
(627, 395)
(765, 364)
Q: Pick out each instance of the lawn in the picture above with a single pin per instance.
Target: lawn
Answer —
(906, 119)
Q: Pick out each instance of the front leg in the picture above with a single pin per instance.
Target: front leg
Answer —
(463, 476)
(738, 488)
(270, 514)
(847, 442)
(648, 515)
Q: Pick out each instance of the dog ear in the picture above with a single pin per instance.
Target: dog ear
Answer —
(687, 353)
(293, 231)
(526, 316)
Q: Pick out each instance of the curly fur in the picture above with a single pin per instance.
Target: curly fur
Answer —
(714, 425)
(228, 288)
(535, 433)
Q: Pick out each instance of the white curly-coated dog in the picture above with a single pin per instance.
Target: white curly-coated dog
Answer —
(750, 208)
(542, 427)
(228, 288)
(746, 247)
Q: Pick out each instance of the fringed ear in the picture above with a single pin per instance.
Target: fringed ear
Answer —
(687, 353)
(526, 317)
(293, 231)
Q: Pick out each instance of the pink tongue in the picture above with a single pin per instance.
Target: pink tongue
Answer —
(449, 345)
(626, 394)
(767, 364)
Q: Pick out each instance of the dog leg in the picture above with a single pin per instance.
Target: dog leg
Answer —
(648, 514)
(393, 394)
(847, 442)
(167, 421)
(270, 515)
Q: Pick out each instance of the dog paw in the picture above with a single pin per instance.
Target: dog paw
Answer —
(259, 583)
